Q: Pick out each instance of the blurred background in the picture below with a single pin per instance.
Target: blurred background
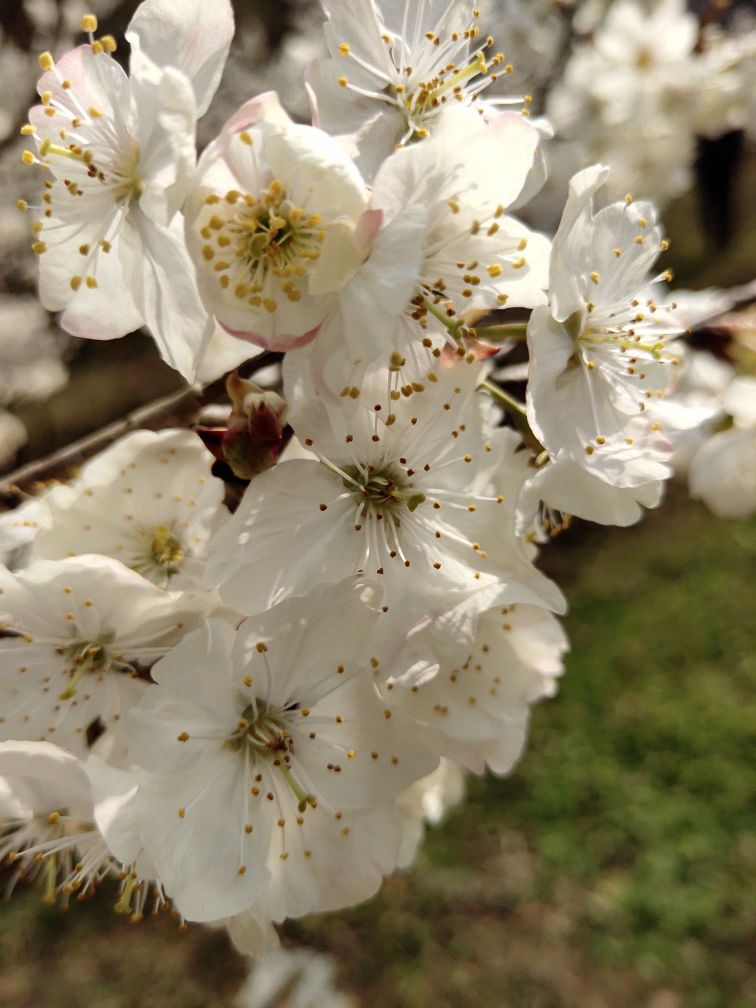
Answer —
(611, 870)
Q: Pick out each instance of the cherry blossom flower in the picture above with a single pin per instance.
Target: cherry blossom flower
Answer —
(403, 486)
(270, 785)
(598, 356)
(149, 501)
(118, 155)
(76, 635)
(628, 97)
(476, 710)
(393, 68)
(447, 244)
(277, 216)
(47, 829)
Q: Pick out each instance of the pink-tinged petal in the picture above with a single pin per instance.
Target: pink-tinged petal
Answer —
(278, 343)
(265, 107)
(191, 35)
(368, 227)
(96, 81)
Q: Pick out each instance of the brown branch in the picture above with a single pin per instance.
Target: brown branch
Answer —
(179, 407)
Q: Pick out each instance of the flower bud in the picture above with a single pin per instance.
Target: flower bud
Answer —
(254, 436)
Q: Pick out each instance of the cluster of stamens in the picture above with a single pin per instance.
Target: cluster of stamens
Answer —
(87, 156)
(445, 71)
(164, 553)
(250, 240)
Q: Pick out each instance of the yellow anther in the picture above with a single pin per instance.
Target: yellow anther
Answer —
(97, 47)
(108, 43)
(39, 247)
(595, 277)
(22, 205)
(91, 282)
(46, 61)
(245, 138)
(343, 81)
(28, 158)
(28, 129)
(344, 49)
(89, 23)
(95, 112)
(75, 282)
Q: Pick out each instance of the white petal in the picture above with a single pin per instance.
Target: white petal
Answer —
(164, 284)
(190, 35)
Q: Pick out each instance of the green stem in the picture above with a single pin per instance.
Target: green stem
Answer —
(455, 327)
(499, 333)
(504, 399)
(517, 411)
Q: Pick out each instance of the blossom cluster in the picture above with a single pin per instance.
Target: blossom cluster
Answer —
(645, 85)
(247, 712)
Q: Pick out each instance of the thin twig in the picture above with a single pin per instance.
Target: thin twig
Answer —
(179, 406)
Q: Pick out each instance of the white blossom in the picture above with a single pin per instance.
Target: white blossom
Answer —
(118, 156)
(47, 829)
(76, 636)
(270, 784)
(393, 68)
(446, 244)
(598, 356)
(475, 710)
(404, 485)
(149, 501)
(628, 97)
(274, 224)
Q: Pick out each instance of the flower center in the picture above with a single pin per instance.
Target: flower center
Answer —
(251, 239)
(160, 553)
(386, 490)
(261, 730)
(86, 656)
(261, 733)
(166, 551)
